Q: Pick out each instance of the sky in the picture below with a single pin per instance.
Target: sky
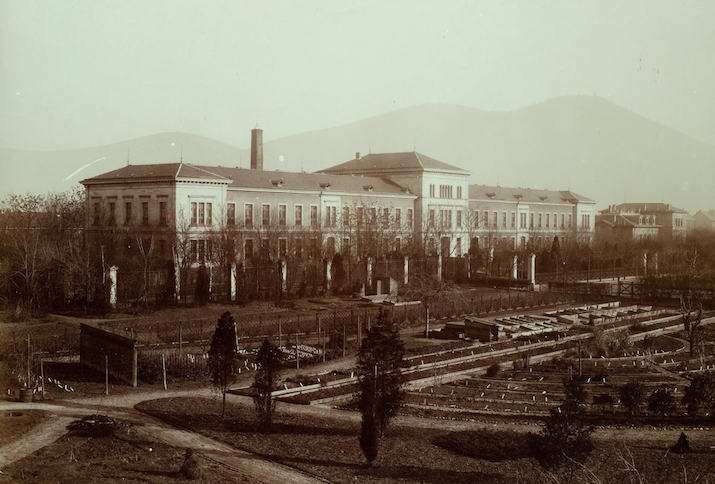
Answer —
(81, 73)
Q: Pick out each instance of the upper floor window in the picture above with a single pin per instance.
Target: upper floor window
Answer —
(127, 212)
(385, 218)
(265, 214)
(163, 213)
(503, 220)
(313, 215)
(248, 215)
(563, 221)
(513, 219)
(331, 216)
(112, 216)
(409, 218)
(547, 220)
(522, 220)
(431, 218)
(97, 213)
(586, 221)
(346, 216)
(496, 219)
(398, 217)
(145, 213)
(231, 214)
(298, 220)
(531, 220)
(431, 190)
(459, 219)
(281, 214)
(201, 213)
(459, 192)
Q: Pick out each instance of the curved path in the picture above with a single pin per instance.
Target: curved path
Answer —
(253, 468)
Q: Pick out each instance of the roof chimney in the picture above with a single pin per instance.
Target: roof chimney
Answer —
(256, 149)
(357, 155)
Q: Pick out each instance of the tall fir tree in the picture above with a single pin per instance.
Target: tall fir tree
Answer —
(222, 356)
(379, 369)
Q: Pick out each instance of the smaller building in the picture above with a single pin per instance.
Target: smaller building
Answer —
(640, 221)
(482, 330)
(705, 220)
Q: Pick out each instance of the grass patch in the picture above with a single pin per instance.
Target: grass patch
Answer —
(491, 445)
(16, 423)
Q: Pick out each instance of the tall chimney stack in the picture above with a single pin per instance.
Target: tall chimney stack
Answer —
(256, 149)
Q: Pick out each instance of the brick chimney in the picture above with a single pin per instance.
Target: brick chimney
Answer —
(256, 149)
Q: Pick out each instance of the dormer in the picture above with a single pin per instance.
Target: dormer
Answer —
(324, 185)
(277, 183)
(367, 188)
(543, 198)
(491, 194)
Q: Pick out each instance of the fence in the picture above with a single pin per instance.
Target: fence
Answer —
(104, 351)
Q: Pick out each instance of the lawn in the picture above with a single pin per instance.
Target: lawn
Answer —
(128, 456)
(328, 447)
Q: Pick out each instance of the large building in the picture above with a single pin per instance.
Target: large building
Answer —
(372, 206)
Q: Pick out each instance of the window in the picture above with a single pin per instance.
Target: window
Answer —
(95, 209)
(298, 247)
(163, 214)
(145, 213)
(503, 220)
(313, 215)
(201, 213)
(202, 250)
(431, 190)
(523, 243)
(373, 215)
(476, 219)
(330, 246)
(265, 214)
(346, 245)
(522, 220)
(586, 221)
(562, 221)
(496, 219)
(231, 214)
(265, 247)
(314, 248)
(281, 214)
(248, 215)
(385, 218)
(194, 253)
(556, 220)
(248, 248)
(346, 216)
(513, 243)
(331, 216)
(459, 192)
(360, 211)
(398, 244)
(547, 220)
(570, 220)
(539, 225)
(513, 220)
(485, 219)
(398, 217)
(112, 216)
(445, 191)
(458, 247)
(431, 218)
(459, 219)
(298, 219)
(531, 220)
(128, 213)
(282, 248)
(409, 218)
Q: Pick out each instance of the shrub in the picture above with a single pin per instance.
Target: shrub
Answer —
(191, 468)
(494, 370)
(661, 402)
(632, 395)
(95, 426)
(565, 441)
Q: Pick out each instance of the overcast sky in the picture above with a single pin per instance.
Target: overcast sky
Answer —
(90, 72)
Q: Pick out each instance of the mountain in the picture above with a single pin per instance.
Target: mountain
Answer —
(584, 143)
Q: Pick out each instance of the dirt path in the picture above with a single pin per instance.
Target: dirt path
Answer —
(121, 407)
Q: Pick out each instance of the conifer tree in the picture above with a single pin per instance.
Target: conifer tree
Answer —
(222, 356)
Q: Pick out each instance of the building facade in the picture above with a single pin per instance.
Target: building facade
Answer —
(371, 207)
(640, 221)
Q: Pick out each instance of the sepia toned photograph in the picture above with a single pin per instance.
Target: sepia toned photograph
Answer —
(357, 241)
